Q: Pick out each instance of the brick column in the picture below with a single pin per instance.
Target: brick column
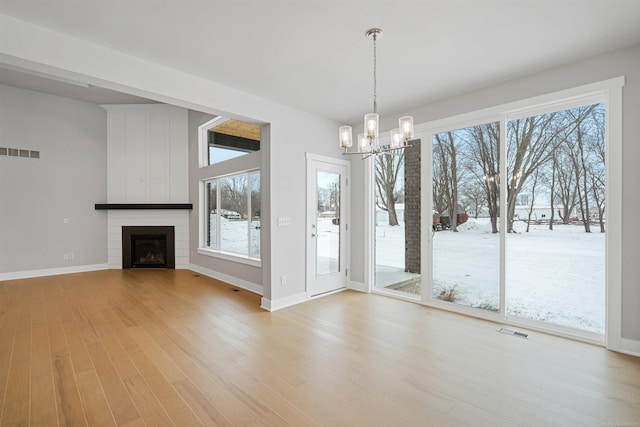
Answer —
(412, 207)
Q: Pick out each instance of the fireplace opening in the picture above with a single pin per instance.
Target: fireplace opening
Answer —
(148, 247)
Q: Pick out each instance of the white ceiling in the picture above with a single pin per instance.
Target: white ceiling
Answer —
(313, 54)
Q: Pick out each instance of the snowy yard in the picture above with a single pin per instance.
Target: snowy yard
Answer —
(555, 276)
(237, 236)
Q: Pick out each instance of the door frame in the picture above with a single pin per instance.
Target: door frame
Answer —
(608, 91)
(345, 240)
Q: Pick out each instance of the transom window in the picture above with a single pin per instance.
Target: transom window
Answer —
(223, 139)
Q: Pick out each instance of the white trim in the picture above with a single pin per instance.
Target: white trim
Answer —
(608, 91)
(613, 202)
(203, 139)
(273, 305)
(513, 108)
(230, 256)
(231, 280)
(52, 271)
(358, 286)
(327, 159)
(627, 346)
(369, 235)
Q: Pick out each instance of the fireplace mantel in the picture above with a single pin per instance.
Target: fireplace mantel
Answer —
(122, 206)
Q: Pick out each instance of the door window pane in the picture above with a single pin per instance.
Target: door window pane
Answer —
(556, 218)
(328, 223)
(465, 223)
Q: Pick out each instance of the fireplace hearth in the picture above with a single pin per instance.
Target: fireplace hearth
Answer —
(148, 247)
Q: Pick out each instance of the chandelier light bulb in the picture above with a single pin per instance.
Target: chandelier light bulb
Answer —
(406, 126)
(371, 125)
(396, 138)
(346, 136)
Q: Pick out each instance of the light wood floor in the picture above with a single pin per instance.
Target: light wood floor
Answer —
(173, 348)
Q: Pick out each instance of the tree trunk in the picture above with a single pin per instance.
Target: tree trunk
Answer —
(393, 216)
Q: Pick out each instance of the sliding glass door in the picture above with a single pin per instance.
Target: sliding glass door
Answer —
(545, 263)
(555, 249)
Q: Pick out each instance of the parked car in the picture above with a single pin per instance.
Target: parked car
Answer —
(229, 214)
(444, 222)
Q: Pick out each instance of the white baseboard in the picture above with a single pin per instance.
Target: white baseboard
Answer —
(358, 286)
(240, 283)
(273, 305)
(52, 271)
(631, 347)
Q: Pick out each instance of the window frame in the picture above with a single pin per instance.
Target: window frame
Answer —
(216, 252)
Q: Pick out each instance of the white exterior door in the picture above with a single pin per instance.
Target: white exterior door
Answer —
(327, 183)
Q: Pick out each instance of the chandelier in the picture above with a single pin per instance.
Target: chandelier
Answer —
(368, 143)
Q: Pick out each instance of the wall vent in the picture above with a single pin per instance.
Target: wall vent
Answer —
(19, 152)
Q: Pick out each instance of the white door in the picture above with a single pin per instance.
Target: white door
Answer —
(327, 181)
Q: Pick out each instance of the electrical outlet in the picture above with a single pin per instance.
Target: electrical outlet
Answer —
(71, 255)
(283, 279)
(65, 256)
(65, 220)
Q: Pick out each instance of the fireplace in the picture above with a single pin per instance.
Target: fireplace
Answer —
(148, 247)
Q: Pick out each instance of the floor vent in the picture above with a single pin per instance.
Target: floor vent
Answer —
(514, 333)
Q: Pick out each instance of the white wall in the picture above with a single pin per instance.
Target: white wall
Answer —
(66, 182)
(626, 63)
(291, 133)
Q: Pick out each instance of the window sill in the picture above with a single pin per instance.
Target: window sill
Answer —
(230, 256)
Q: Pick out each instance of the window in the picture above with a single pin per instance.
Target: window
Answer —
(232, 215)
(224, 139)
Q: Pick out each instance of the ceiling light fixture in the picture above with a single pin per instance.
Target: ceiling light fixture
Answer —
(368, 143)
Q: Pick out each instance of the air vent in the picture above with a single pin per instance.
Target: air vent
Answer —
(19, 152)
(514, 333)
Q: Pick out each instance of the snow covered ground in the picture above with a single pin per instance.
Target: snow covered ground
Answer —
(234, 235)
(554, 276)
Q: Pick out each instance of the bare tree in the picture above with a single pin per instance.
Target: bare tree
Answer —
(473, 197)
(552, 191)
(387, 169)
(577, 139)
(446, 151)
(597, 172)
(533, 198)
(484, 160)
(565, 189)
(531, 143)
(233, 194)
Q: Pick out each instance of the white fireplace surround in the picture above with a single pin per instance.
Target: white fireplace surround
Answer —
(116, 219)
(147, 163)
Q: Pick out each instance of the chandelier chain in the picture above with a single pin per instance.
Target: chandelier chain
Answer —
(375, 82)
